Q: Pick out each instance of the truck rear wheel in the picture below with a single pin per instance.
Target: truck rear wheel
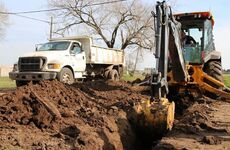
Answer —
(113, 75)
(214, 69)
(66, 76)
(106, 74)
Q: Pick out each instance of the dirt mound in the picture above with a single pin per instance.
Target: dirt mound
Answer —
(195, 118)
(97, 115)
(202, 125)
(52, 115)
(212, 140)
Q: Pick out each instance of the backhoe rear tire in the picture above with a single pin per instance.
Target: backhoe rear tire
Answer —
(214, 69)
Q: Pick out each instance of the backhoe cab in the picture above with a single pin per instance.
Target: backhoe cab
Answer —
(198, 43)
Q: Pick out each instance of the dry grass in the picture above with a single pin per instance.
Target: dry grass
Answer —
(227, 79)
(6, 82)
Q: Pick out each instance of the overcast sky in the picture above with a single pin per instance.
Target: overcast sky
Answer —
(22, 34)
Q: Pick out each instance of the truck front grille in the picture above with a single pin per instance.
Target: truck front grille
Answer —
(31, 63)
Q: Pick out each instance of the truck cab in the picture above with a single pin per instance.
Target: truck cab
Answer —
(68, 53)
(48, 60)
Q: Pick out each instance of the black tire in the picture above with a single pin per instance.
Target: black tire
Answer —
(121, 71)
(65, 76)
(214, 69)
(113, 75)
(21, 83)
(106, 74)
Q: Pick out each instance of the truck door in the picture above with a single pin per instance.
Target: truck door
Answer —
(78, 60)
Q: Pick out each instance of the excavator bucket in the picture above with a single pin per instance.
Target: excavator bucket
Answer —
(156, 117)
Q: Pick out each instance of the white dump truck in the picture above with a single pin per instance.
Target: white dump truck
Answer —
(68, 59)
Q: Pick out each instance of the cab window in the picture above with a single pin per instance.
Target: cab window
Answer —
(76, 48)
(208, 36)
(196, 34)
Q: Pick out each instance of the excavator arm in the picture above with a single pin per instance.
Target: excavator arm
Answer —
(156, 115)
(167, 32)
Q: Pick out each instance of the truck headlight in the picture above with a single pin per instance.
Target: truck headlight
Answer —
(54, 66)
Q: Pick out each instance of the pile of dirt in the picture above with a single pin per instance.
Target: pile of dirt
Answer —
(52, 115)
(196, 117)
(212, 140)
(202, 125)
(98, 115)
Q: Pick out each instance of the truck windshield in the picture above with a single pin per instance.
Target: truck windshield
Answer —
(54, 46)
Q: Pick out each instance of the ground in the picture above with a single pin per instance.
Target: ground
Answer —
(98, 115)
(92, 115)
(209, 128)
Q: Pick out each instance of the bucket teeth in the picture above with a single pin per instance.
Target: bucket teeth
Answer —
(155, 117)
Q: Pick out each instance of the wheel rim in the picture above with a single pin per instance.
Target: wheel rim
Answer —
(66, 78)
(116, 77)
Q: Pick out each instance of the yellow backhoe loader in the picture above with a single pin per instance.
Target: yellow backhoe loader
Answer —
(186, 63)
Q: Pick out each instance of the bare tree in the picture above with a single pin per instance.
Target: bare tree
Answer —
(3, 20)
(120, 24)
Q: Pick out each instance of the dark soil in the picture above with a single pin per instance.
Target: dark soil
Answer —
(52, 115)
(204, 125)
(97, 115)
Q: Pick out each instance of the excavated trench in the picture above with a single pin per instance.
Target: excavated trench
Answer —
(90, 115)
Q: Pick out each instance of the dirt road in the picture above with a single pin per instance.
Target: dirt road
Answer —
(96, 115)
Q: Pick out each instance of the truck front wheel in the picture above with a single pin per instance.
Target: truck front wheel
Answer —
(113, 75)
(21, 83)
(66, 76)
